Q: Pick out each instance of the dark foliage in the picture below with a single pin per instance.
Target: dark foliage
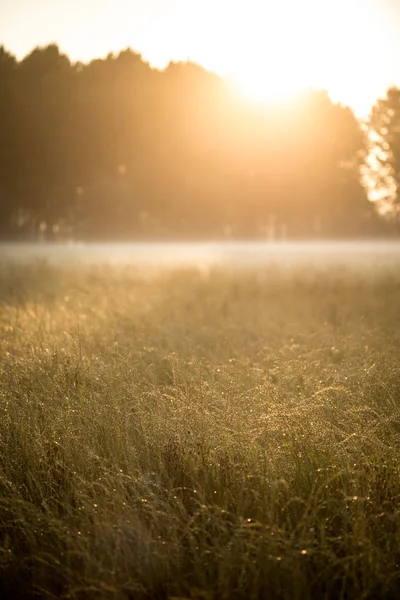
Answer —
(114, 149)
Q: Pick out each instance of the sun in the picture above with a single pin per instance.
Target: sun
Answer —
(281, 48)
(283, 51)
(271, 87)
(270, 49)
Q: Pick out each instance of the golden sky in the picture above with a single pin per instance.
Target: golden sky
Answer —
(271, 48)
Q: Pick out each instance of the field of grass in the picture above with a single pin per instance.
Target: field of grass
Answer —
(199, 435)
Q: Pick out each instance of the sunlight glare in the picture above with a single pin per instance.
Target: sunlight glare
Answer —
(273, 49)
(274, 87)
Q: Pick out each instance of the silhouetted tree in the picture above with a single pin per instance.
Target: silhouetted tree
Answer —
(384, 126)
(114, 149)
(8, 142)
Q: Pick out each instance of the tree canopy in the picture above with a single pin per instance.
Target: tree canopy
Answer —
(384, 127)
(115, 149)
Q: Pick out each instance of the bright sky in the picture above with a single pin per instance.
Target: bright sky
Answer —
(272, 47)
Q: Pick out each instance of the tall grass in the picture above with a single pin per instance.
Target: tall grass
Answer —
(199, 435)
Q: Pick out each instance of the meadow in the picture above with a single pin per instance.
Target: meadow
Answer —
(205, 434)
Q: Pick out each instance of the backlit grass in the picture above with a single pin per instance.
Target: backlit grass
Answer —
(205, 435)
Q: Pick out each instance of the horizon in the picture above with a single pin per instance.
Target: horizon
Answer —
(323, 47)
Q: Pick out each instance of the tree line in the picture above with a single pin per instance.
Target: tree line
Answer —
(115, 149)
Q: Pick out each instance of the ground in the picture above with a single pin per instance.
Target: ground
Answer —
(201, 434)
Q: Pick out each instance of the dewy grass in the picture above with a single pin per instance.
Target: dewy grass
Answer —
(199, 435)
